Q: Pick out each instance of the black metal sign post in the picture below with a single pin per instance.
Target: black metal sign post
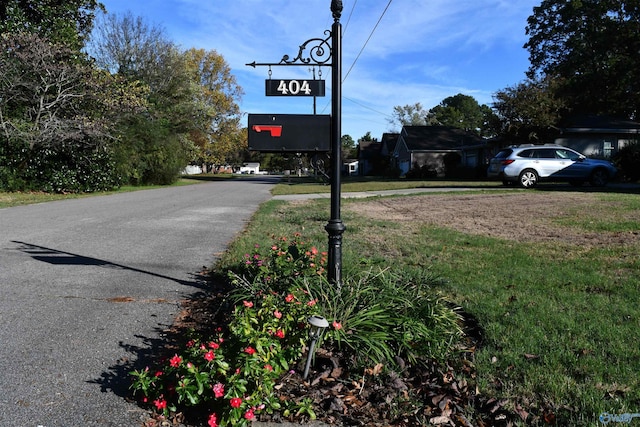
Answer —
(336, 227)
(319, 54)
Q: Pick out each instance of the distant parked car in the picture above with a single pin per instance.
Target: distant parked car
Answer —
(527, 165)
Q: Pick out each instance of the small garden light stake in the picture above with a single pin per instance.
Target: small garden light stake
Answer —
(318, 324)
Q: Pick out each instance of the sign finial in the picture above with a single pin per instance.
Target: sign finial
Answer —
(336, 9)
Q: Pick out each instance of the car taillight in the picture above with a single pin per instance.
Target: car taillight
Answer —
(507, 162)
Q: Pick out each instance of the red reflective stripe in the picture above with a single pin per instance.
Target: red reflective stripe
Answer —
(274, 130)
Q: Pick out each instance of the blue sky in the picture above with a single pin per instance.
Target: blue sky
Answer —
(422, 50)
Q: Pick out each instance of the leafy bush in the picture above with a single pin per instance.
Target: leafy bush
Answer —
(60, 169)
(287, 260)
(627, 160)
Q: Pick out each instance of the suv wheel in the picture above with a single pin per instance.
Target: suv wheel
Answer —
(528, 178)
(599, 178)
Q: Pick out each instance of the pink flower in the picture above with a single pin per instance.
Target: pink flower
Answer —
(160, 404)
(277, 314)
(250, 350)
(280, 333)
(213, 420)
(268, 368)
(191, 343)
(336, 325)
(249, 415)
(209, 356)
(235, 402)
(214, 345)
(159, 374)
(314, 250)
(175, 361)
(218, 390)
(289, 298)
(248, 304)
(312, 303)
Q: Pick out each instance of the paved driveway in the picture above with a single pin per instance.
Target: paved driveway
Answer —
(87, 286)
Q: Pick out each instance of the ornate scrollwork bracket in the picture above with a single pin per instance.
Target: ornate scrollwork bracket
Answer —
(316, 51)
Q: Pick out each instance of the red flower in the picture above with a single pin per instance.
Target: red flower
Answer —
(248, 304)
(159, 374)
(280, 333)
(209, 356)
(289, 298)
(312, 303)
(249, 415)
(214, 345)
(336, 325)
(277, 314)
(218, 390)
(175, 361)
(250, 350)
(268, 368)
(235, 402)
(213, 420)
(191, 343)
(160, 403)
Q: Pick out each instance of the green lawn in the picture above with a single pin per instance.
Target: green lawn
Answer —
(309, 185)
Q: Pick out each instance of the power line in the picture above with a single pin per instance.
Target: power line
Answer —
(366, 42)
(367, 107)
(349, 18)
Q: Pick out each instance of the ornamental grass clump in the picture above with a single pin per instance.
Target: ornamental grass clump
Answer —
(378, 316)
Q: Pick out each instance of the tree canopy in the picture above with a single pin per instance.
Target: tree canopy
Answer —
(68, 22)
(464, 112)
(590, 47)
(127, 105)
(408, 115)
(460, 111)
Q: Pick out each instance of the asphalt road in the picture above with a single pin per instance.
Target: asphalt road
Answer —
(87, 286)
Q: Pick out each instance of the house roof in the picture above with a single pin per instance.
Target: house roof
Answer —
(369, 149)
(600, 124)
(389, 140)
(433, 138)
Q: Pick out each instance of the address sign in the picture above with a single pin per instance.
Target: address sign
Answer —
(294, 87)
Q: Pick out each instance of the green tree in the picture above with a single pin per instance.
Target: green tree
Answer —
(67, 22)
(464, 112)
(52, 116)
(216, 131)
(408, 115)
(591, 47)
(349, 150)
(156, 146)
(530, 111)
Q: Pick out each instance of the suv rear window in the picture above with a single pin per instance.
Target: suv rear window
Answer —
(503, 154)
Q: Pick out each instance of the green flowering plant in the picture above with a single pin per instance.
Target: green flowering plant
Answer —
(287, 260)
(232, 376)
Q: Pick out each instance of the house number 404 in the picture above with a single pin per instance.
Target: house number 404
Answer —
(294, 87)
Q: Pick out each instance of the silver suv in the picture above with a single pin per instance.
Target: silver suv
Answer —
(527, 165)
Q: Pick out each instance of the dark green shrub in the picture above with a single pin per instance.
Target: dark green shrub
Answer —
(627, 160)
